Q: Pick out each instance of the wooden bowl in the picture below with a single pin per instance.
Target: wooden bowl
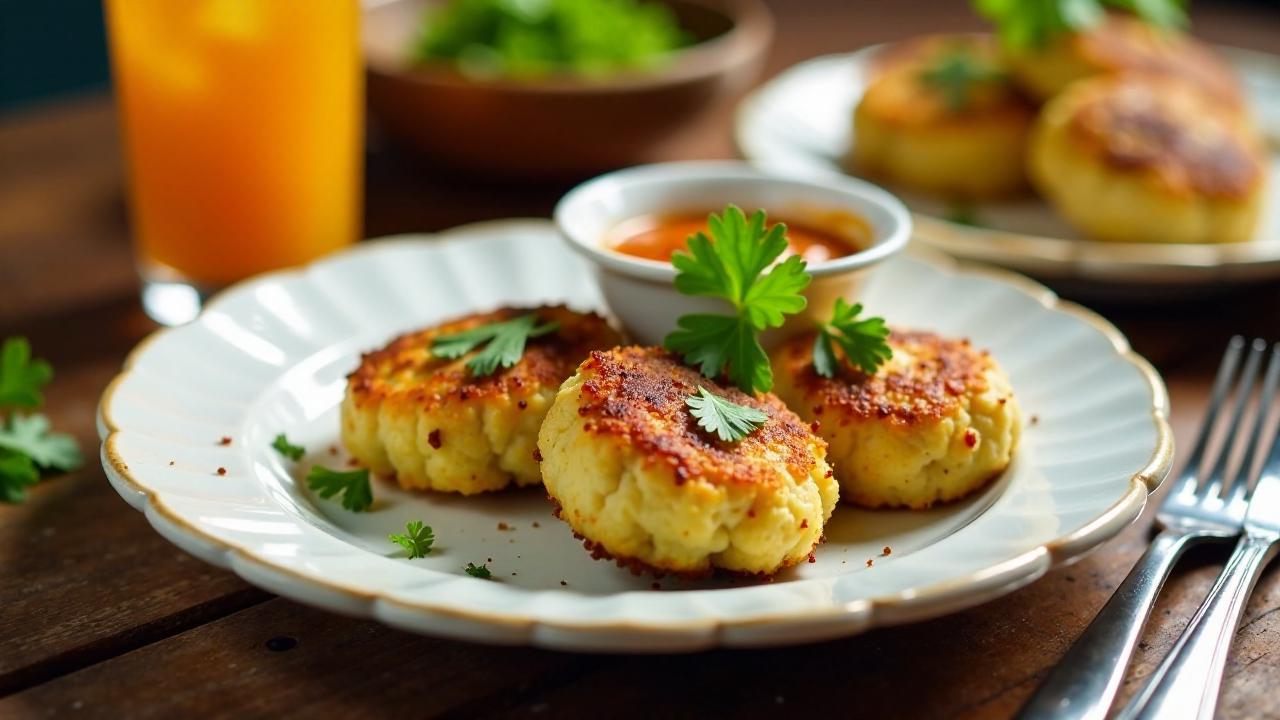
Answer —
(559, 127)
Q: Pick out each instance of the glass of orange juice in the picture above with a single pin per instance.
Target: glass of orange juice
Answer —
(242, 123)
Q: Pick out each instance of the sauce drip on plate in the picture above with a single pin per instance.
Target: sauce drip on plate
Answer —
(657, 237)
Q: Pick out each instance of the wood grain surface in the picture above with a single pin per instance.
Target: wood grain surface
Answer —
(103, 618)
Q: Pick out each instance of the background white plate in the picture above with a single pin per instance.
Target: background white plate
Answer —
(270, 355)
(801, 123)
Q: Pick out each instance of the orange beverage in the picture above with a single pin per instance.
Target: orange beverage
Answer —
(242, 121)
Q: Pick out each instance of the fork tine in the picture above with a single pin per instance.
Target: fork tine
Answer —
(1272, 465)
(1244, 389)
(1240, 483)
(1221, 383)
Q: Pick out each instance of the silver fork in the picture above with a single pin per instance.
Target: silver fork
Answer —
(1087, 678)
(1186, 684)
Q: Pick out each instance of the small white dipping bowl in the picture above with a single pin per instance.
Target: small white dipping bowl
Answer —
(641, 293)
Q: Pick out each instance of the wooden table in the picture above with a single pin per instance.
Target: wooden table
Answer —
(102, 617)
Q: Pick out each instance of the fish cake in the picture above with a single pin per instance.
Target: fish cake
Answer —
(1130, 159)
(936, 422)
(1123, 45)
(931, 136)
(636, 477)
(430, 423)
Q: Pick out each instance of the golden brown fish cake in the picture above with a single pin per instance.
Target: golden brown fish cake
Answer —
(919, 133)
(935, 423)
(433, 425)
(1131, 159)
(639, 480)
(1122, 45)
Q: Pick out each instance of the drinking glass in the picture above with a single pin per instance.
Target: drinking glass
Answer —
(242, 125)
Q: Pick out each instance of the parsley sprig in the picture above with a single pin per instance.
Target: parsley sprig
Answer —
(21, 378)
(282, 445)
(27, 446)
(731, 264)
(1033, 23)
(506, 341)
(478, 571)
(957, 73)
(418, 539)
(17, 473)
(727, 420)
(864, 341)
(30, 436)
(354, 487)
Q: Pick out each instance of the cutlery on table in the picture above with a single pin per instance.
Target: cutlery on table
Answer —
(1187, 682)
(1084, 683)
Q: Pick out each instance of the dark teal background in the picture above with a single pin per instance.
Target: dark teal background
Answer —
(50, 48)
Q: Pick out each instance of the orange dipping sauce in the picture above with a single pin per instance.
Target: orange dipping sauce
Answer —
(657, 237)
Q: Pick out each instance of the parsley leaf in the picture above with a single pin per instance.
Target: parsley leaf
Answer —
(863, 341)
(729, 421)
(354, 486)
(1027, 24)
(714, 342)
(30, 436)
(957, 73)
(725, 268)
(26, 445)
(731, 265)
(506, 341)
(417, 539)
(21, 377)
(17, 473)
(478, 571)
(293, 452)
(777, 294)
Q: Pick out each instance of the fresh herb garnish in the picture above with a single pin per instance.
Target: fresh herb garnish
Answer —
(30, 436)
(27, 447)
(731, 264)
(21, 378)
(418, 539)
(478, 571)
(532, 38)
(357, 495)
(282, 446)
(864, 342)
(1033, 23)
(17, 473)
(729, 421)
(957, 73)
(506, 341)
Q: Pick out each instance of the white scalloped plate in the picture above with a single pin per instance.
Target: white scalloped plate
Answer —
(270, 355)
(799, 123)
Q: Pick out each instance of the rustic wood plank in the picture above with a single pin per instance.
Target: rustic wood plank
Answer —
(63, 241)
(279, 659)
(83, 576)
